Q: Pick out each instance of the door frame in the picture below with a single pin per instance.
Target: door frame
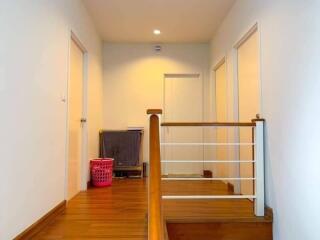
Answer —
(222, 61)
(214, 70)
(84, 169)
(254, 28)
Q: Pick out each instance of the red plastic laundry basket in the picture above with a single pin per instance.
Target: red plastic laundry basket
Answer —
(101, 172)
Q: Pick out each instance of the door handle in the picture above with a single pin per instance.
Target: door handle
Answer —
(83, 120)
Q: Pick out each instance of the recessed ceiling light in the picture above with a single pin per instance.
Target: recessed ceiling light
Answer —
(156, 32)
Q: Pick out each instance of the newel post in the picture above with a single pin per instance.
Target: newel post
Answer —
(259, 206)
(155, 221)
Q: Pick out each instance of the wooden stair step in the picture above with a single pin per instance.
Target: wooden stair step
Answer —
(221, 228)
(220, 231)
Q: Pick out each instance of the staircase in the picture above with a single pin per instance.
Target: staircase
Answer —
(191, 208)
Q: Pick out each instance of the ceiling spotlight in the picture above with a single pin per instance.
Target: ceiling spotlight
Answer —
(156, 32)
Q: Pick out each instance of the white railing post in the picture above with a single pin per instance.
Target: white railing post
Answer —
(259, 167)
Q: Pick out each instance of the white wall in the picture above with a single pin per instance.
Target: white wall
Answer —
(33, 78)
(290, 77)
(134, 75)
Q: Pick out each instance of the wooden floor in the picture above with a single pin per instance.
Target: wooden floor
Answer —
(120, 211)
(117, 212)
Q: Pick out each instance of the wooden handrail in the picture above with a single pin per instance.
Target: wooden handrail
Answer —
(154, 111)
(155, 225)
(208, 124)
(258, 120)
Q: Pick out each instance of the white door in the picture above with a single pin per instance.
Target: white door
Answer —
(221, 116)
(249, 102)
(183, 102)
(75, 111)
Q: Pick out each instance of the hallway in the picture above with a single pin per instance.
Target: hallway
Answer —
(72, 69)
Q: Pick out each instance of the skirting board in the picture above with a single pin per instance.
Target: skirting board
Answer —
(42, 222)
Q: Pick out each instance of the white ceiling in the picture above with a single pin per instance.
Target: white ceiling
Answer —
(178, 20)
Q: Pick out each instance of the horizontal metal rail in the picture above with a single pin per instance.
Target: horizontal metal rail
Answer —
(208, 161)
(182, 197)
(205, 179)
(205, 144)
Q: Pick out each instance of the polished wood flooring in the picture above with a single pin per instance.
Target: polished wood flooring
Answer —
(120, 211)
(117, 212)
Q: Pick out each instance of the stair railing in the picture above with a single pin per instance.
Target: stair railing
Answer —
(155, 224)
